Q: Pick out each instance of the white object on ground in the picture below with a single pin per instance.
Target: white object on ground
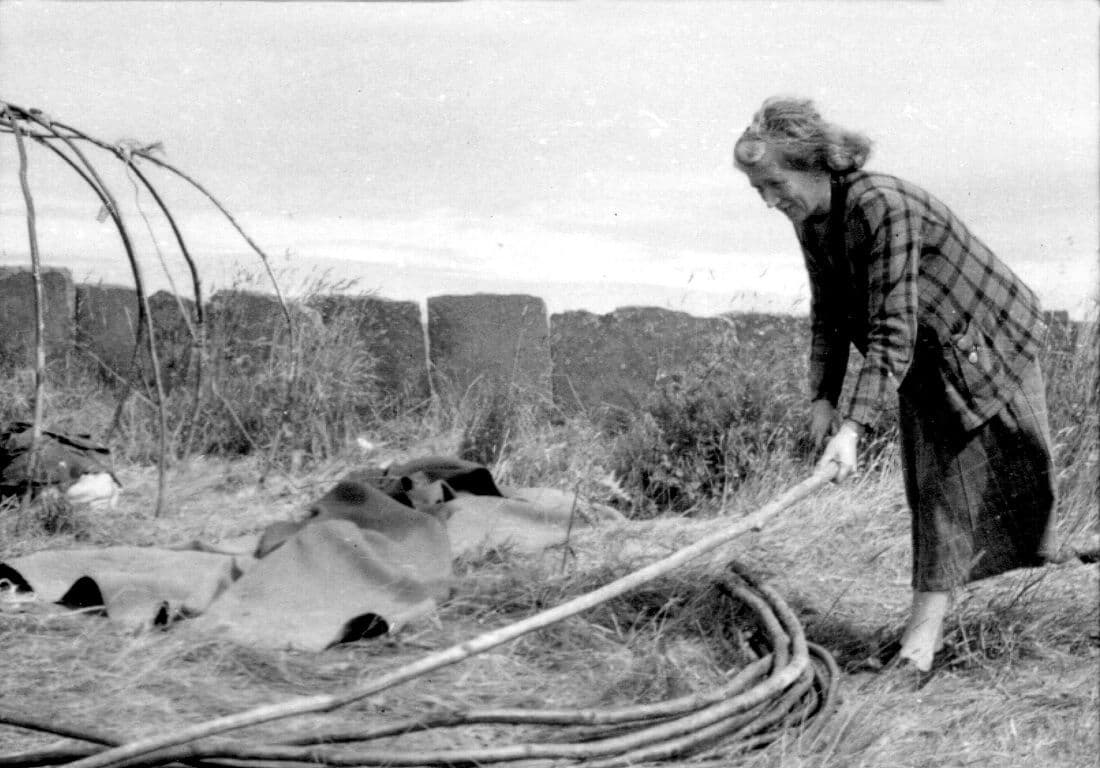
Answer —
(98, 491)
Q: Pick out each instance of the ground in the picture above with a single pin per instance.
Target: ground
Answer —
(1022, 688)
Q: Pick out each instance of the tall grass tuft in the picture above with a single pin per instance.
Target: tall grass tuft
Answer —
(492, 421)
(306, 389)
(1071, 367)
(738, 412)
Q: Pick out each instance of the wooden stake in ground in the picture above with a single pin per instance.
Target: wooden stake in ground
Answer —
(39, 319)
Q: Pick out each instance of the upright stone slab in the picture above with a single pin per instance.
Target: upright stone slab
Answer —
(611, 363)
(247, 319)
(17, 316)
(1061, 332)
(247, 331)
(778, 331)
(173, 320)
(107, 325)
(106, 321)
(490, 340)
(248, 323)
(393, 333)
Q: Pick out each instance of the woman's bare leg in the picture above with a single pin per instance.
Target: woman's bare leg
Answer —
(924, 633)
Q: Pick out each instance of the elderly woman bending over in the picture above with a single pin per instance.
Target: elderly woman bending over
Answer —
(938, 318)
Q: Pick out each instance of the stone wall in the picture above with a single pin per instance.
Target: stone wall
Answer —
(580, 361)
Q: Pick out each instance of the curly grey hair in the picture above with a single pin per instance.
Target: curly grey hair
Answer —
(801, 138)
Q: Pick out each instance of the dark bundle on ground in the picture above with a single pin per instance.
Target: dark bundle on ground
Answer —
(61, 459)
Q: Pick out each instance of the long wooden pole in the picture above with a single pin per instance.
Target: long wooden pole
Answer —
(456, 653)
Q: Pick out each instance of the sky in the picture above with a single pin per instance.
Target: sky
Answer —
(580, 152)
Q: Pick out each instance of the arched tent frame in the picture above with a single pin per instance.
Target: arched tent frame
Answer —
(35, 127)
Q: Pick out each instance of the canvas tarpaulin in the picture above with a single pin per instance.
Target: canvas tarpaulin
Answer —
(361, 564)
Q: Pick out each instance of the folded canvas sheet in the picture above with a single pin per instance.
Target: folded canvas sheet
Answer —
(360, 565)
(138, 586)
(333, 581)
(484, 522)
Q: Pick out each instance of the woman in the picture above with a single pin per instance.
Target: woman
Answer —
(938, 318)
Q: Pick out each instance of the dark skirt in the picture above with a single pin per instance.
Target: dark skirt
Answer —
(982, 500)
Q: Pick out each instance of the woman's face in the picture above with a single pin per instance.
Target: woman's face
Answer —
(797, 194)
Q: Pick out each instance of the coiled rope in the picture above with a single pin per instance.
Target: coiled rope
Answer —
(791, 685)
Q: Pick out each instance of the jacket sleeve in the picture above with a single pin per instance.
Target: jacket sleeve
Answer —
(891, 259)
(828, 342)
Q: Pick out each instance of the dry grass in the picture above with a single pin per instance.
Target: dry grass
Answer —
(1023, 693)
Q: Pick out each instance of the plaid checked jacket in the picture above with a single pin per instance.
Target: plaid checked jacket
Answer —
(891, 268)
